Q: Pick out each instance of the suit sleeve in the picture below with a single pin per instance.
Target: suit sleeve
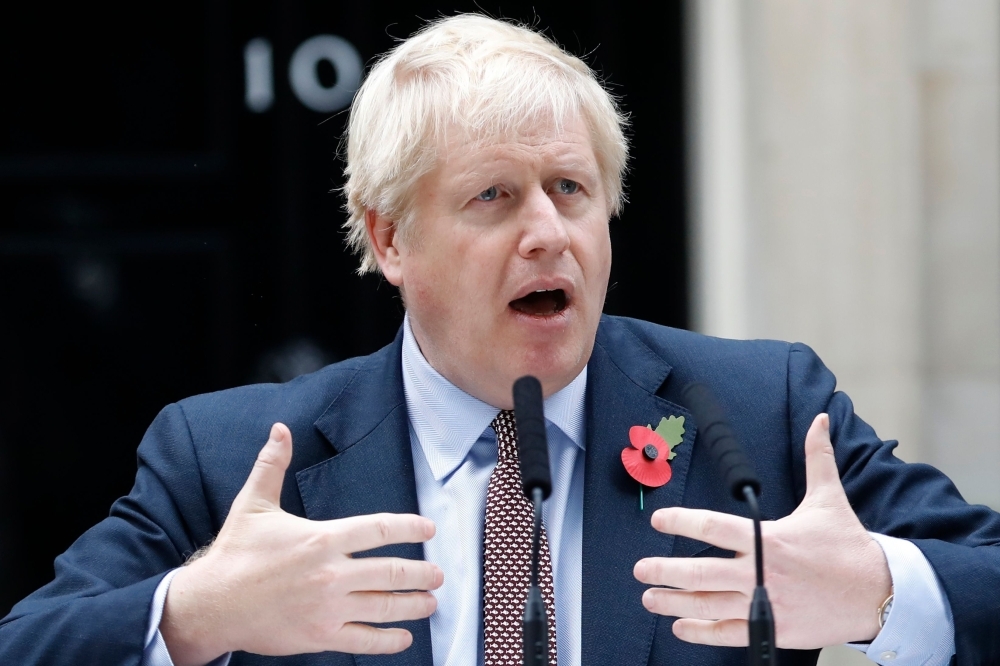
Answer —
(908, 501)
(96, 610)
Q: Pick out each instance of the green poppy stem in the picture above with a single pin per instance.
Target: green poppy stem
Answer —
(641, 507)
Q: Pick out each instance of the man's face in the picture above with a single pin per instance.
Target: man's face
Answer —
(507, 267)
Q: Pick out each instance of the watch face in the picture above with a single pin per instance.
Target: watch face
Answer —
(886, 608)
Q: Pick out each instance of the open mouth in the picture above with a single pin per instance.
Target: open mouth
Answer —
(541, 303)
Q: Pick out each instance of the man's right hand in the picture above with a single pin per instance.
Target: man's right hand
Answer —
(276, 584)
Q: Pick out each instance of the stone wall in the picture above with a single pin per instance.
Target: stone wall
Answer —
(846, 165)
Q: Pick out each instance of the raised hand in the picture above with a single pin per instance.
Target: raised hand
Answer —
(276, 584)
(825, 575)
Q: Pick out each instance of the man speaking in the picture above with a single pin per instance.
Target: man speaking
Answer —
(382, 520)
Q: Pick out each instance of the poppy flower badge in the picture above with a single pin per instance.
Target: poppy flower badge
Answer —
(648, 458)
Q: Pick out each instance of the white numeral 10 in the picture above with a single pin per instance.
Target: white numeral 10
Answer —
(258, 66)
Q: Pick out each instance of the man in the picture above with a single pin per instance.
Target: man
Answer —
(484, 164)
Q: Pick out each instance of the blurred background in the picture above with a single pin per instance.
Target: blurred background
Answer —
(843, 177)
(825, 171)
(169, 221)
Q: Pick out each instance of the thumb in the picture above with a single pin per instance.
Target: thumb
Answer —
(821, 465)
(268, 473)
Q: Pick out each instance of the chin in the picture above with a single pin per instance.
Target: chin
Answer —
(555, 365)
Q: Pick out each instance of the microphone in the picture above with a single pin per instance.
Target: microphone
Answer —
(532, 444)
(744, 485)
(533, 458)
(719, 438)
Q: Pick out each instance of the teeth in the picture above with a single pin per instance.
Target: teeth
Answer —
(540, 291)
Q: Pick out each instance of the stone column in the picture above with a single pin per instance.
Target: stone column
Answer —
(845, 194)
(845, 171)
(960, 106)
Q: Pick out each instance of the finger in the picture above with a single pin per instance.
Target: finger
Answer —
(697, 605)
(718, 529)
(390, 606)
(703, 574)
(362, 639)
(378, 574)
(268, 473)
(726, 633)
(360, 533)
(821, 465)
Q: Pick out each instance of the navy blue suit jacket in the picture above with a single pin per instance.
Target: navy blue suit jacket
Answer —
(352, 456)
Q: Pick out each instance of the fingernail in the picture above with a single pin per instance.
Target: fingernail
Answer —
(826, 422)
(640, 569)
(275, 435)
(647, 599)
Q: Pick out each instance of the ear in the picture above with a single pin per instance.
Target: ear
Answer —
(384, 243)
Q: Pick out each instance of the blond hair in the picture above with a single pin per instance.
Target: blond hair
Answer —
(485, 77)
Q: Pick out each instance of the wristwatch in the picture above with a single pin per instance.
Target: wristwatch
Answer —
(884, 610)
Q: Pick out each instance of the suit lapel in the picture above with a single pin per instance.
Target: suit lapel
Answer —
(372, 471)
(623, 378)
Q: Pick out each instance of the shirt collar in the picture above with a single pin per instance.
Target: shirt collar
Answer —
(447, 421)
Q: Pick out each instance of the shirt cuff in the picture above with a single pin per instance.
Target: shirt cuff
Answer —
(920, 630)
(155, 653)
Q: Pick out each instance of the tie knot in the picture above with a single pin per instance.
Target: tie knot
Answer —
(506, 430)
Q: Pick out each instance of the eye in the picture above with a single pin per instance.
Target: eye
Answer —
(567, 186)
(488, 194)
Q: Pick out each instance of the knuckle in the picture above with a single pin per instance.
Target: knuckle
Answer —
(703, 606)
(386, 605)
(708, 525)
(267, 457)
(318, 542)
(397, 572)
(365, 642)
(698, 575)
(383, 526)
(427, 576)
(770, 539)
(333, 577)
(317, 632)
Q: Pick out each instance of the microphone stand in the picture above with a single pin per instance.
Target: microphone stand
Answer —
(533, 459)
(743, 484)
(536, 625)
(762, 648)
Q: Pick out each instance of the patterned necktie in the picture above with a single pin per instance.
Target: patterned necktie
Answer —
(507, 557)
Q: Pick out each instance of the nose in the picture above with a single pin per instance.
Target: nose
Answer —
(544, 227)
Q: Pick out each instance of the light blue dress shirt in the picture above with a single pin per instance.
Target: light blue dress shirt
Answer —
(454, 453)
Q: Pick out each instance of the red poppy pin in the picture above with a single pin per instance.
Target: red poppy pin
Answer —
(647, 459)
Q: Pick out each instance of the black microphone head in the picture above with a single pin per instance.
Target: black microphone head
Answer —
(716, 434)
(532, 445)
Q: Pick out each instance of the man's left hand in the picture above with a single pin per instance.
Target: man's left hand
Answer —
(825, 575)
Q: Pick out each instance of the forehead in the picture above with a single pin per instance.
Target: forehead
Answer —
(531, 144)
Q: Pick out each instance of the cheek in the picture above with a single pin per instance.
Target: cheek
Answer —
(426, 288)
(605, 252)
(449, 282)
(477, 263)
(595, 256)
